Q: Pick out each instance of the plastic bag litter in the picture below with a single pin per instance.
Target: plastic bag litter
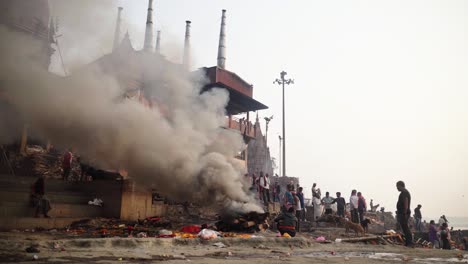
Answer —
(165, 234)
(192, 229)
(338, 240)
(320, 238)
(96, 201)
(142, 235)
(286, 235)
(208, 234)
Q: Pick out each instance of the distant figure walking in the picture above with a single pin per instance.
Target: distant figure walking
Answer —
(38, 198)
(353, 206)
(340, 205)
(404, 211)
(67, 164)
(418, 217)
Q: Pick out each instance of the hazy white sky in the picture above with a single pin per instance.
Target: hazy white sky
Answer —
(379, 93)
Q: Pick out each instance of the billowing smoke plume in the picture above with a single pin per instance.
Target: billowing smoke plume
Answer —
(176, 146)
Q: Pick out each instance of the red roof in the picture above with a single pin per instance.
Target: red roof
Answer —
(230, 79)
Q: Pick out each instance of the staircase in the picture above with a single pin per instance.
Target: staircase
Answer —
(69, 202)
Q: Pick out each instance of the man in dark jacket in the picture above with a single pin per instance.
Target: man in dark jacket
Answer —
(404, 211)
(340, 205)
(287, 222)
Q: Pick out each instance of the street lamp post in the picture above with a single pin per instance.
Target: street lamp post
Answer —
(280, 138)
(282, 82)
(267, 121)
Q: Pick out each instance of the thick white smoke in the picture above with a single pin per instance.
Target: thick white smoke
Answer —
(181, 149)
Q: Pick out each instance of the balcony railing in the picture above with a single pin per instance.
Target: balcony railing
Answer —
(244, 127)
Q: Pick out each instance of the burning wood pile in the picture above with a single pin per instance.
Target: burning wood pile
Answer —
(37, 161)
(247, 223)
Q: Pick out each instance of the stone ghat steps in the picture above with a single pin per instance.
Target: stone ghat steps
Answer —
(54, 197)
(8, 182)
(59, 210)
(68, 199)
(33, 223)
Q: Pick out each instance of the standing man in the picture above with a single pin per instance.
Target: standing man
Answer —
(288, 198)
(277, 192)
(66, 164)
(265, 183)
(300, 214)
(38, 198)
(327, 202)
(353, 206)
(404, 211)
(340, 205)
(418, 217)
(315, 192)
(362, 206)
(260, 184)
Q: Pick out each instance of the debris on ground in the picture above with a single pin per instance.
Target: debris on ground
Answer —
(96, 201)
(32, 249)
(219, 245)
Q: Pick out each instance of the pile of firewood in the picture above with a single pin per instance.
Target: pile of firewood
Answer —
(248, 223)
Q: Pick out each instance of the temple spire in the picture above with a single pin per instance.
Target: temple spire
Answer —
(148, 44)
(222, 42)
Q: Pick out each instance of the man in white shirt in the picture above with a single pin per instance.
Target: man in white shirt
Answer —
(353, 207)
(265, 183)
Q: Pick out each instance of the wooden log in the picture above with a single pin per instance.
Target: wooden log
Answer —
(249, 224)
(362, 239)
(383, 241)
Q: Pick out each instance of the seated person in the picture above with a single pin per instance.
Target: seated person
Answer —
(287, 222)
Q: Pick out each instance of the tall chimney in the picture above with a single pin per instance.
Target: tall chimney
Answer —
(148, 44)
(158, 41)
(117, 30)
(186, 58)
(222, 42)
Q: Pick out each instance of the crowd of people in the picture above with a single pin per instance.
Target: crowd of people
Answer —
(293, 210)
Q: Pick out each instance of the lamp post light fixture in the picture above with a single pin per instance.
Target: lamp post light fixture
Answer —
(284, 82)
(267, 121)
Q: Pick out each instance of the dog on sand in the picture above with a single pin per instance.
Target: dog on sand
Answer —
(365, 224)
(357, 228)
